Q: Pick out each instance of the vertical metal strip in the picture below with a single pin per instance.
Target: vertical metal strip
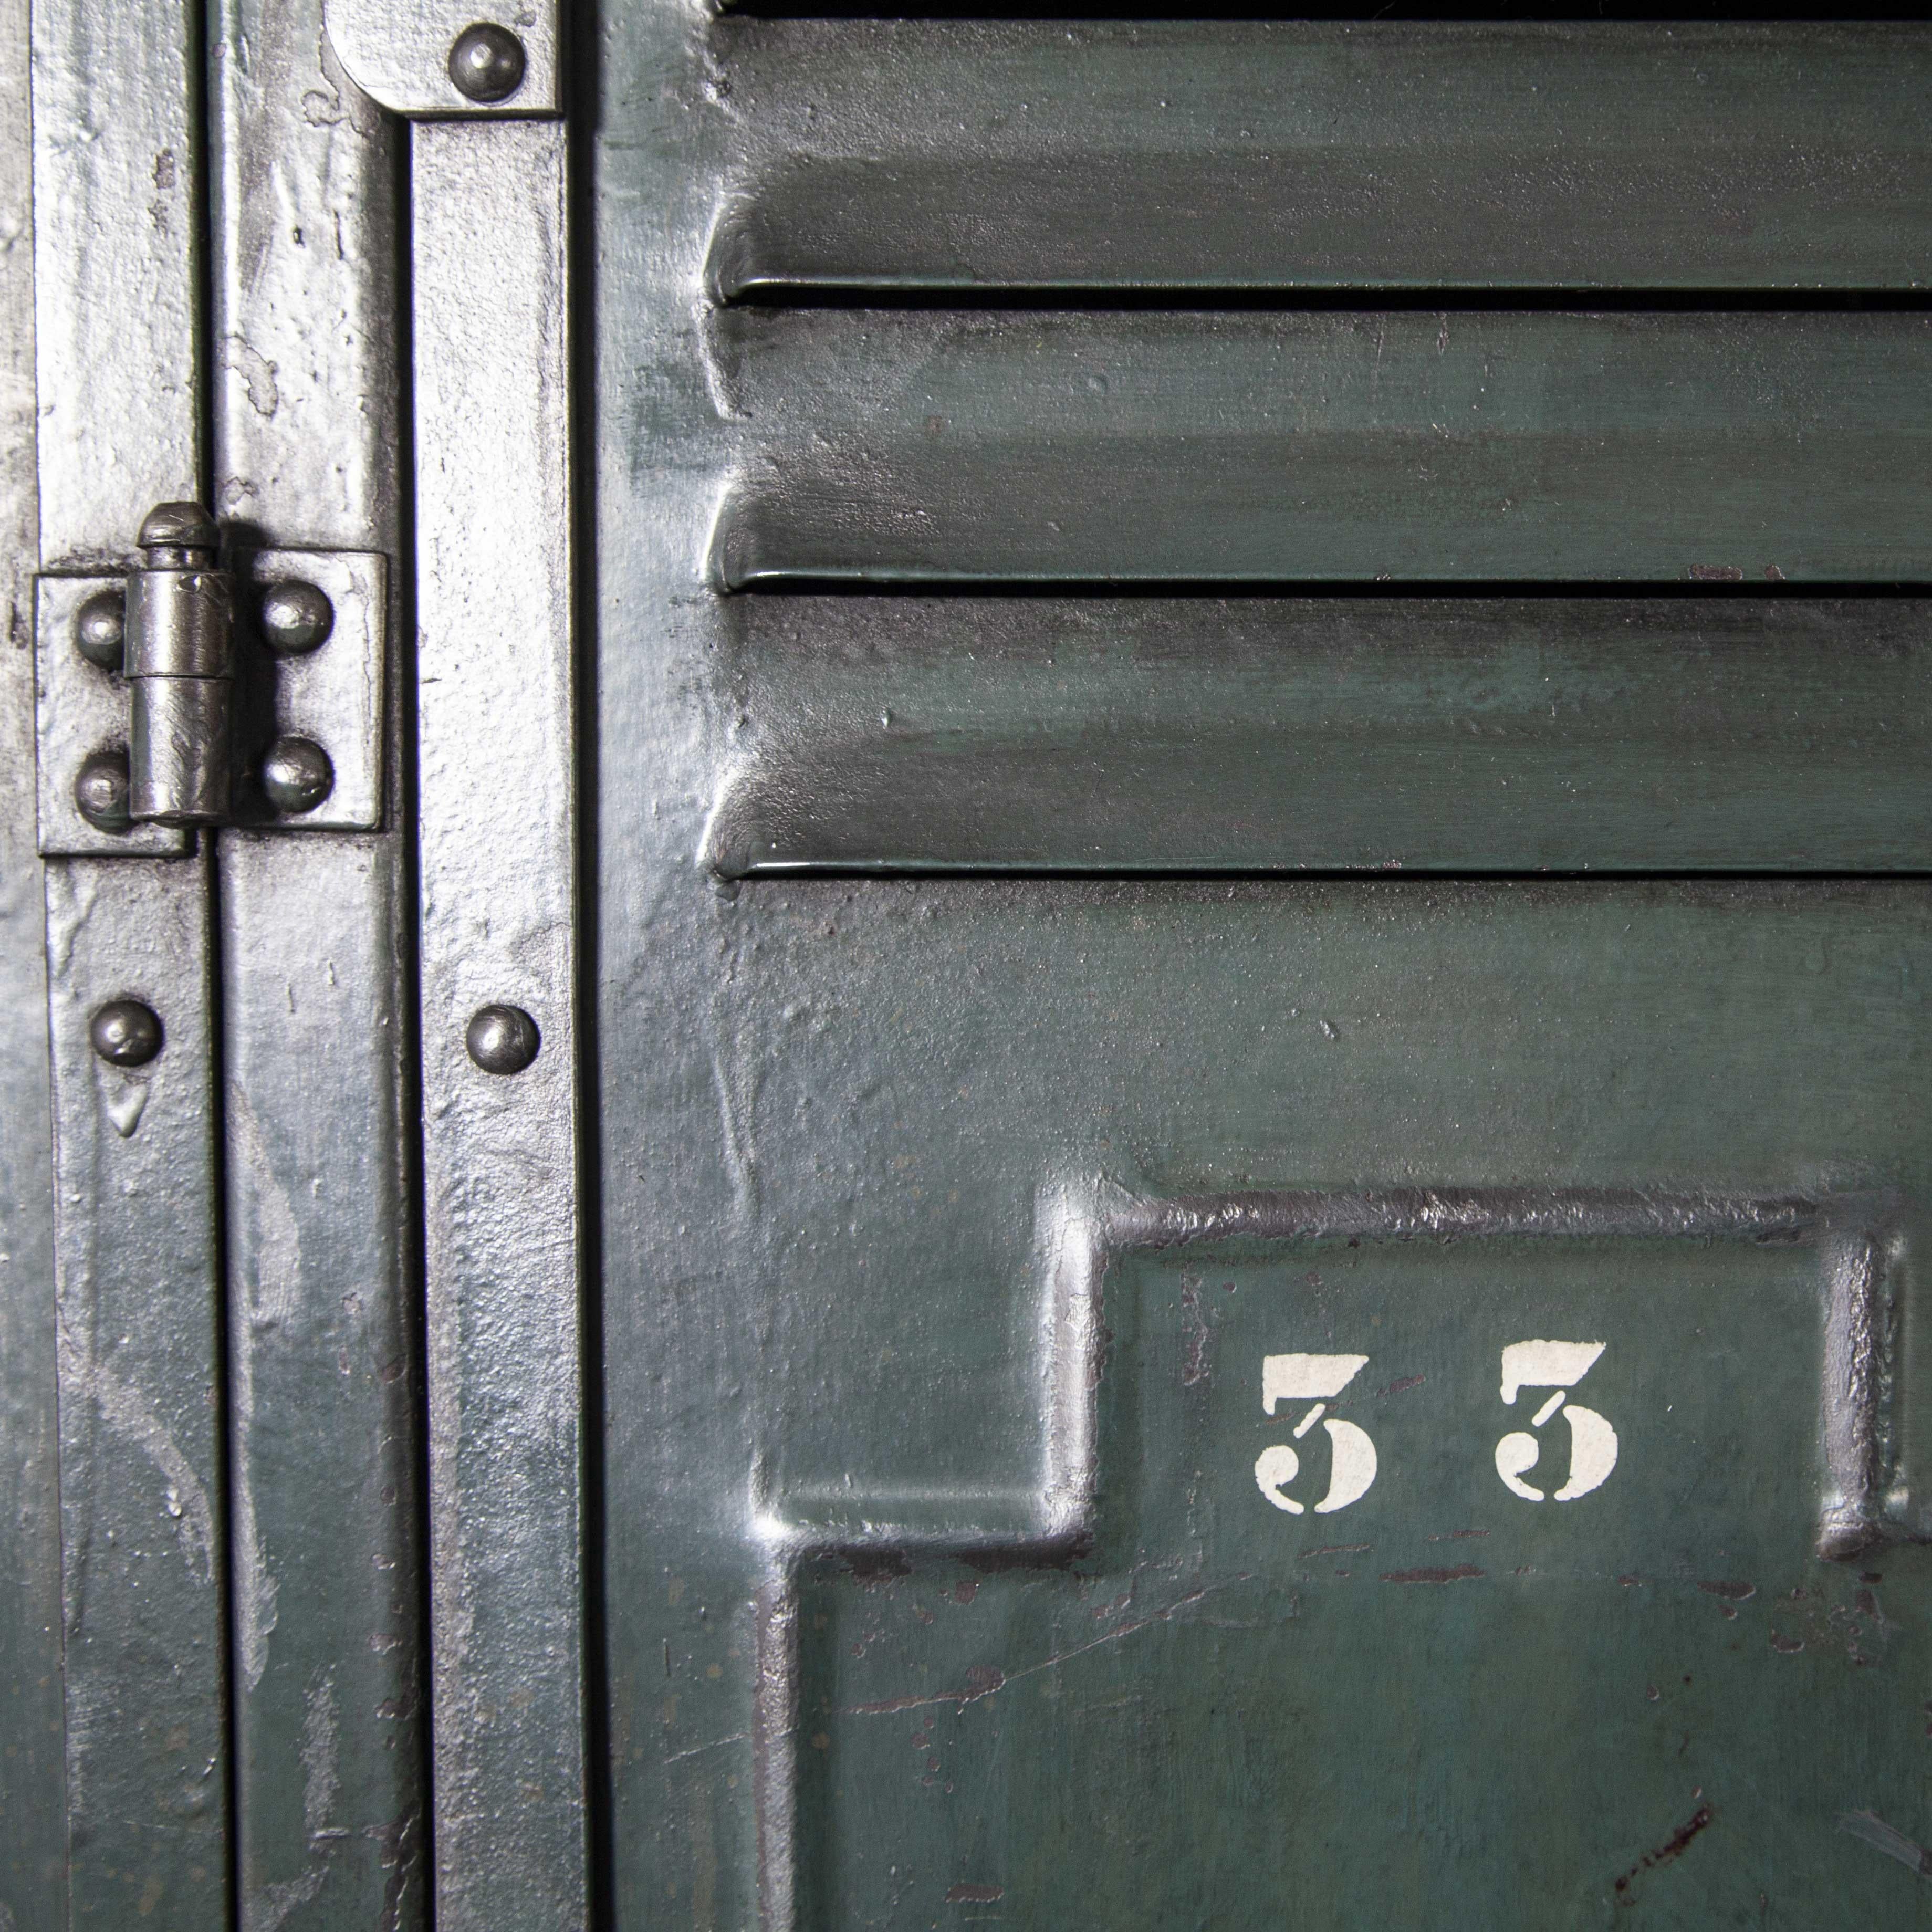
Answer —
(33, 1820)
(117, 164)
(497, 751)
(319, 1023)
(142, 1535)
(116, 207)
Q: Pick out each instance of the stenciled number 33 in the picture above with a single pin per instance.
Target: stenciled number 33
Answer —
(1319, 1379)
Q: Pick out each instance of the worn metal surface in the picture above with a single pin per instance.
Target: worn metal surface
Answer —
(319, 1008)
(498, 843)
(969, 1055)
(1144, 734)
(998, 445)
(177, 662)
(116, 108)
(330, 693)
(398, 52)
(919, 155)
(81, 708)
(33, 1822)
(143, 1528)
(962, 1240)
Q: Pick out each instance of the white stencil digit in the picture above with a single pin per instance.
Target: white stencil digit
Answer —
(1558, 1366)
(1317, 1379)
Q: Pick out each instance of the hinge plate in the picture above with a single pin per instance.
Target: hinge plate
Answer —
(398, 51)
(332, 695)
(79, 710)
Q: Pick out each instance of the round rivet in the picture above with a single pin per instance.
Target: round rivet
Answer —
(486, 63)
(502, 1040)
(100, 629)
(100, 791)
(125, 1033)
(296, 617)
(297, 774)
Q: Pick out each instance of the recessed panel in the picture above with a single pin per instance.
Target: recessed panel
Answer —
(1471, 1569)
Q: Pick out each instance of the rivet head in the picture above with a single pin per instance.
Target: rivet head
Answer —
(296, 617)
(502, 1040)
(487, 63)
(100, 789)
(125, 1033)
(296, 775)
(100, 629)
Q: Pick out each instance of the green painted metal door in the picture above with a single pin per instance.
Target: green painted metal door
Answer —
(1257, 1205)
(1159, 1083)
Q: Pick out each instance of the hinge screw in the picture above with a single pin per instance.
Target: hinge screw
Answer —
(125, 1033)
(502, 1040)
(296, 617)
(487, 63)
(100, 789)
(100, 629)
(297, 774)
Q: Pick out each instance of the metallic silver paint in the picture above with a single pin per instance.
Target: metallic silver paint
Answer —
(81, 710)
(116, 255)
(331, 690)
(143, 1524)
(498, 843)
(117, 248)
(398, 51)
(33, 1793)
(318, 1006)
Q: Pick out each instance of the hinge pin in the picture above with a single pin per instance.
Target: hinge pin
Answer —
(180, 669)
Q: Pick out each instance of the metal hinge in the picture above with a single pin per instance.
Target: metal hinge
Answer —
(188, 692)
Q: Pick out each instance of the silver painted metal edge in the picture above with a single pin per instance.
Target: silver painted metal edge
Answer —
(117, 256)
(498, 881)
(306, 191)
(137, 1271)
(33, 1781)
(398, 52)
(117, 248)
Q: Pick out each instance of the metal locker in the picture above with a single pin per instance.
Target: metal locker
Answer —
(963, 968)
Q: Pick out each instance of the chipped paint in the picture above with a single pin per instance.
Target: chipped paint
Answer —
(269, 1293)
(268, 1907)
(127, 1413)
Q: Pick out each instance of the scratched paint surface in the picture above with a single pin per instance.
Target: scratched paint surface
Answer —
(847, 1159)
(1440, 1692)
(827, 1109)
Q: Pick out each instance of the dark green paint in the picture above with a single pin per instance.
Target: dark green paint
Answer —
(897, 156)
(903, 1065)
(835, 1115)
(1105, 734)
(898, 447)
(1444, 1706)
